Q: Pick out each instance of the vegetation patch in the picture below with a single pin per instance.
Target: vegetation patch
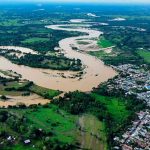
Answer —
(111, 111)
(15, 87)
(44, 61)
(83, 42)
(18, 86)
(44, 92)
(35, 40)
(145, 55)
(115, 106)
(54, 120)
(12, 88)
(92, 130)
(99, 54)
(103, 43)
(10, 23)
(47, 127)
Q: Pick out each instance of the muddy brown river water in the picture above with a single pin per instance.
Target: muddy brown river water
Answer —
(95, 70)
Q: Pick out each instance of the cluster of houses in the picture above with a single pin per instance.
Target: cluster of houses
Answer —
(133, 81)
(137, 137)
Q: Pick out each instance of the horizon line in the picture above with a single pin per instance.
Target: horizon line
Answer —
(62, 2)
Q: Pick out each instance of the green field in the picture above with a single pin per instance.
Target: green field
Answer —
(92, 124)
(145, 55)
(10, 22)
(99, 54)
(13, 88)
(62, 124)
(103, 43)
(57, 125)
(35, 40)
(16, 88)
(115, 106)
(44, 92)
(17, 85)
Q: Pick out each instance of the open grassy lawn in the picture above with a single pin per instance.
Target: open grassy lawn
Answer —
(35, 40)
(115, 106)
(103, 43)
(145, 55)
(47, 93)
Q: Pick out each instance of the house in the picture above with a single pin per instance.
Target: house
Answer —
(27, 141)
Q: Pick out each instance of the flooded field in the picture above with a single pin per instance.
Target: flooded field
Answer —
(27, 100)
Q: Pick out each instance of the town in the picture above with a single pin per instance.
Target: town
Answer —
(134, 81)
(137, 137)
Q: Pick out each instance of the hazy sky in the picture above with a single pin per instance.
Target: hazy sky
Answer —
(92, 1)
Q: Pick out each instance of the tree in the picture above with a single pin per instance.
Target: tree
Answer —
(3, 97)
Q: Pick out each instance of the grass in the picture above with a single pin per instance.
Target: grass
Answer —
(92, 125)
(47, 119)
(10, 22)
(83, 42)
(145, 55)
(51, 119)
(14, 88)
(115, 106)
(14, 85)
(6, 73)
(35, 40)
(47, 93)
(103, 43)
(10, 93)
(22, 147)
(5, 127)
(99, 54)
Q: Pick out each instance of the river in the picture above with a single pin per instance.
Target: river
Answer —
(95, 70)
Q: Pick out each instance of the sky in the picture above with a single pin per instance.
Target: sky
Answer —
(83, 1)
